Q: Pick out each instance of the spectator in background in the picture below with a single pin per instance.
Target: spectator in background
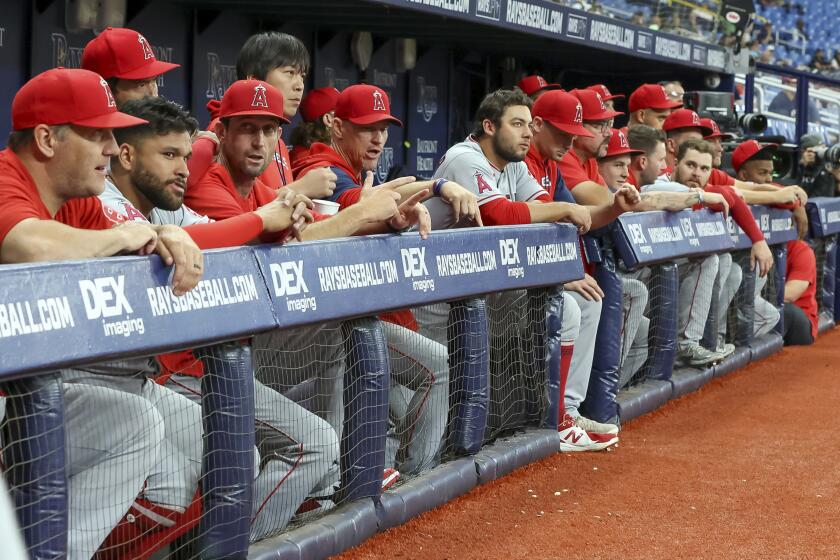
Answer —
(800, 324)
(785, 103)
(820, 61)
(317, 110)
(800, 34)
(638, 18)
(655, 22)
(764, 35)
(768, 55)
(835, 62)
(816, 179)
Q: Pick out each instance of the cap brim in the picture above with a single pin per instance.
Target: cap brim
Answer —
(373, 119)
(705, 131)
(110, 120)
(574, 129)
(602, 116)
(664, 105)
(156, 68)
(611, 97)
(283, 120)
(721, 135)
(624, 152)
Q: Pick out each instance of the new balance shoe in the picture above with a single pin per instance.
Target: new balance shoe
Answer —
(592, 426)
(695, 355)
(574, 439)
(389, 477)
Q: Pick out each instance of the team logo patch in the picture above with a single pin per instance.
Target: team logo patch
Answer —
(579, 114)
(541, 81)
(378, 101)
(427, 104)
(622, 139)
(260, 99)
(664, 93)
(108, 94)
(695, 120)
(601, 101)
(147, 49)
(481, 182)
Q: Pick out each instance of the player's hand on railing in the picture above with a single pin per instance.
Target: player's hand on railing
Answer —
(137, 237)
(786, 195)
(176, 247)
(716, 202)
(392, 185)
(412, 212)
(588, 288)
(288, 210)
(577, 215)
(464, 203)
(379, 204)
(626, 198)
(760, 255)
(318, 183)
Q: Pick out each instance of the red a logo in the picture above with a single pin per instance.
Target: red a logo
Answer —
(260, 99)
(147, 49)
(483, 185)
(378, 101)
(695, 119)
(579, 113)
(601, 101)
(108, 94)
(622, 139)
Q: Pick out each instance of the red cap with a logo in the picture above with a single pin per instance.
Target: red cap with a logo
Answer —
(65, 96)
(123, 53)
(619, 145)
(685, 118)
(651, 96)
(716, 133)
(252, 98)
(605, 93)
(532, 84)
(562, 110)
(363, 104)
(593, 105)
(318, 103)
(748, 150)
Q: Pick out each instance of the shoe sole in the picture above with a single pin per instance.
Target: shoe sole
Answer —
(572, 448)
(389, 481)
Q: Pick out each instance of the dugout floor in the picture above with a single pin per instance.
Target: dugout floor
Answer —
(747, 467)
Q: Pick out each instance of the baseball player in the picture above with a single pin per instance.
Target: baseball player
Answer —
(317, 110)
(801, 311)
(358, 133)
(281, 60)
(606, 95)
(535, 85)
(124, 435)
(650, 104)
(490, 163)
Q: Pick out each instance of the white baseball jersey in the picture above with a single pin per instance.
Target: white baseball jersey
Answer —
(112, 198)
(465, 164)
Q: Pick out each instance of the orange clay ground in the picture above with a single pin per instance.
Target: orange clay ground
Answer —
(747, 467)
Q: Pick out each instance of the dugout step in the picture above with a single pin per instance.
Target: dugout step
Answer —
(765, 346)
(344, 527)
(645, 397)
(825, 324)
(735, 361)
(425, 492)
(508, 454)
(688, 380)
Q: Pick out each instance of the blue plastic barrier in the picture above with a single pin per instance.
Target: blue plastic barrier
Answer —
(551, 342)
(662, 337)
(775, 223)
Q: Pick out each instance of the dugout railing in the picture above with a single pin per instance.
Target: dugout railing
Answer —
(66, 314)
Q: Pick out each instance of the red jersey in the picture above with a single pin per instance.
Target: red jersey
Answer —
(802, 265)
(297, 153)
(575, 172)
(545, 171)
(719, 177)
(21, 201)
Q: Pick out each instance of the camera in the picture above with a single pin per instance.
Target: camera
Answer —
(753, 123)
(829, 154)
(720, 106)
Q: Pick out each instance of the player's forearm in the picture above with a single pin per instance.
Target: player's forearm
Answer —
(547, 212)
(668, 201)
(761, 197)
(46, 240)
(348, 222)
(755, 187)
(794, 290)
(603, 215)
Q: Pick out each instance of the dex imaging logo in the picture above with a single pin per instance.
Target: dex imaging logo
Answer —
(414, 266)
(105, 299)
(287, 278)
(509, 248)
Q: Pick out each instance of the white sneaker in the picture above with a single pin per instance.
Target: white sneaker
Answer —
(574, 439)
(594, 427)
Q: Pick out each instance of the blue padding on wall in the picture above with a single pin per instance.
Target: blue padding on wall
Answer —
(688, 380)
(469, 365)
(837, 285)
(603, 381)
(662, 337)
(553, 317)
(645, 397)
(227, 403)
(765, 346)
(829, 274)
(366, 384)
(736, 360)
(823, 216)
(345, 527)
(779, 270)
(775, 223)
(434, 488)
(645, 238)
(505, 455)
(742, 333)
(34, 456)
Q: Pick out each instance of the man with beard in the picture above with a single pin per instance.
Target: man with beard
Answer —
(490, 163)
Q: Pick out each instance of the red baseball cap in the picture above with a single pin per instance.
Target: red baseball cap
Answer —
(716, 133)
(685, 118)
(364, 104)
(748, 150)
(593, 105)
(123, 53)
(619, 145)
(252, 98)
(532, 84)
(604, 92)
(318, 103)
(65, 96)
(651, 96)
(562, 110)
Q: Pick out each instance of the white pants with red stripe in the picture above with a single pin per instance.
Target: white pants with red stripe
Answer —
(766, 314)
(697, 279)
(580, 323)
(731, 276)
(419, 406)
(297, 449)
